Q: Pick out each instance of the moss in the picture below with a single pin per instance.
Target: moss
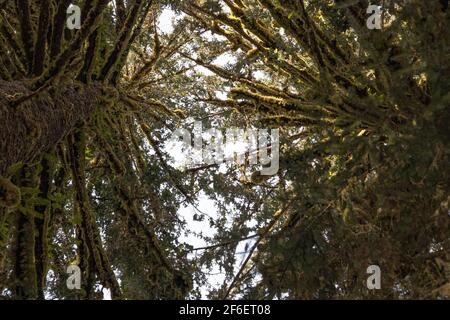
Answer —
(14, 169)
(9, 194)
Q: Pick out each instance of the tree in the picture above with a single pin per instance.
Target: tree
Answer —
(62, 101)
(368, 167)
(364, 175)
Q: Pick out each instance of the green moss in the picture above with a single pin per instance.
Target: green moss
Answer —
(9, 194)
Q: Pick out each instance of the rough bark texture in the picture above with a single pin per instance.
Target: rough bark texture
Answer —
(29, 129)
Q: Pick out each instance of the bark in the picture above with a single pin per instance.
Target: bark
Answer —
(25, 281)
(24, 267)
(41, 223)
(34, 126)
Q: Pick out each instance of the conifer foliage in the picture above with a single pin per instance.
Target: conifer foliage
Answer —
(86, 178)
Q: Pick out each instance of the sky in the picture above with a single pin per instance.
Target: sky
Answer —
(205, 205)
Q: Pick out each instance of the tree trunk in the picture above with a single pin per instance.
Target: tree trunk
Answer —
(31, 128)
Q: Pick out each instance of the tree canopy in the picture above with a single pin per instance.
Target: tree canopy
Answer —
(87, 177)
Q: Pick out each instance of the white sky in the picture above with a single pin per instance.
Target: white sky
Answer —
(205, 205)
